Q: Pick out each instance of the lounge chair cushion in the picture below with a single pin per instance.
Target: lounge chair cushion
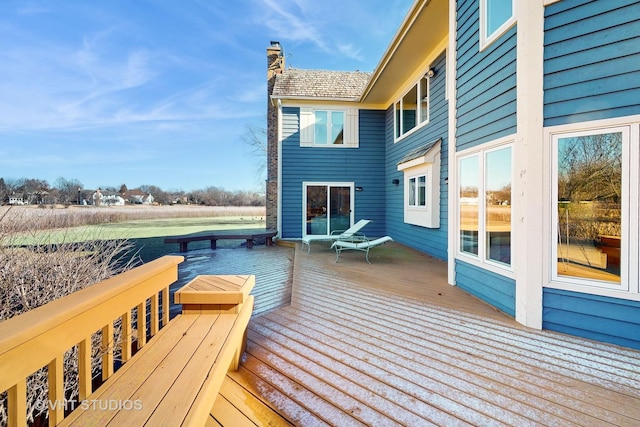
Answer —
(341, 245)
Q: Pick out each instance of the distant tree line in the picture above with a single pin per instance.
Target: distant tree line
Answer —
(72, 192)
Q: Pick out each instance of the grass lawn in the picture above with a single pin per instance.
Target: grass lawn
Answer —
(147, 235)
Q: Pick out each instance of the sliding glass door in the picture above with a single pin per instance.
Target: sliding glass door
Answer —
(328, 207)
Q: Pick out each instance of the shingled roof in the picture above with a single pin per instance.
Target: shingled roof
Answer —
(347, 85)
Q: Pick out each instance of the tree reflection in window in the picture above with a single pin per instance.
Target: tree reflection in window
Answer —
(589, 186)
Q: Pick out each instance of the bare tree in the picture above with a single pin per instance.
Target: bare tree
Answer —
(69, 190)
(4, 194)
(255, 137)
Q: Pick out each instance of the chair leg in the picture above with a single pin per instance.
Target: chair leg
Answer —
(367, 256)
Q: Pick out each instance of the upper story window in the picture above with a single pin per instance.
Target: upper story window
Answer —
(412, 110)
(496, 17)
(328, 127)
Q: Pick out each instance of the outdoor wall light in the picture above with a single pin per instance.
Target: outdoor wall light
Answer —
(430, 73)
(395, 181)
(446, 180)
(358, 188)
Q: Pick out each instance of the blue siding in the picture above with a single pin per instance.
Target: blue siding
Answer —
(594, 317)
(486, 81)
(431, 241)
(485, 110)
(334, 165)
(497, 290)
(591, 60)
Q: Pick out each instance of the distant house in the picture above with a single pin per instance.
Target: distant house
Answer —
(15, 199)
(101, 198)
(499, 136)
(138, 197)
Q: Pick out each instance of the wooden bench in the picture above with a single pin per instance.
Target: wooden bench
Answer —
(213, 236)
(176, 377)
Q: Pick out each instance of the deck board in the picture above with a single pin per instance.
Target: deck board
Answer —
(392, 343)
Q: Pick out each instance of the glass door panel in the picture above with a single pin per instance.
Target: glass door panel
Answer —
(316, 209)
(340, 208)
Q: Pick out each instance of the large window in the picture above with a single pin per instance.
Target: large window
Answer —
(484, 205)
(412, 110)
(496, 16)
(589, 213)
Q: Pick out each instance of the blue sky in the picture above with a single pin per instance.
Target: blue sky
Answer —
(142, 92)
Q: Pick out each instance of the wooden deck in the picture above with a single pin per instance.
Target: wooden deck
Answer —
(392, 344)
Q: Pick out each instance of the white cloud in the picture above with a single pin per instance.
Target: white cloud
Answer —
(288, 25)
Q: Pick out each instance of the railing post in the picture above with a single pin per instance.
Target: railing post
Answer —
(126, 336)
(142, 324)
(107, 347)
(56, 404)
(17, 400)
(154, 314)
(84, 368)
(165, 307)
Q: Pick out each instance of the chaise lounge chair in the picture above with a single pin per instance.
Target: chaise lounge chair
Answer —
(363, 245)
(350, 234)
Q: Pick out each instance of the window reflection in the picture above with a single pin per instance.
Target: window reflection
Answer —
(337, 127)
(469, 205)
(412, 192)
(409, 110)
(498, 205)
(422, 190)
(589, 180)
(498, 12)
(424, 100)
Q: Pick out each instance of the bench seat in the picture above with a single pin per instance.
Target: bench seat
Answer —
(176, 377)
(213, 236)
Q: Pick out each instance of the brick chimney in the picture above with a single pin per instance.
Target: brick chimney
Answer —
(275, 66)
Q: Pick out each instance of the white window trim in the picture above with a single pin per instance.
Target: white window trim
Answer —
(427, 165)
(487, 40)
(481, 260)
(350, 130)
(630, 288)
(419, 98)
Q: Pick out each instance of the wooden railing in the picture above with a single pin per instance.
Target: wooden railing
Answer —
(41, 337)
